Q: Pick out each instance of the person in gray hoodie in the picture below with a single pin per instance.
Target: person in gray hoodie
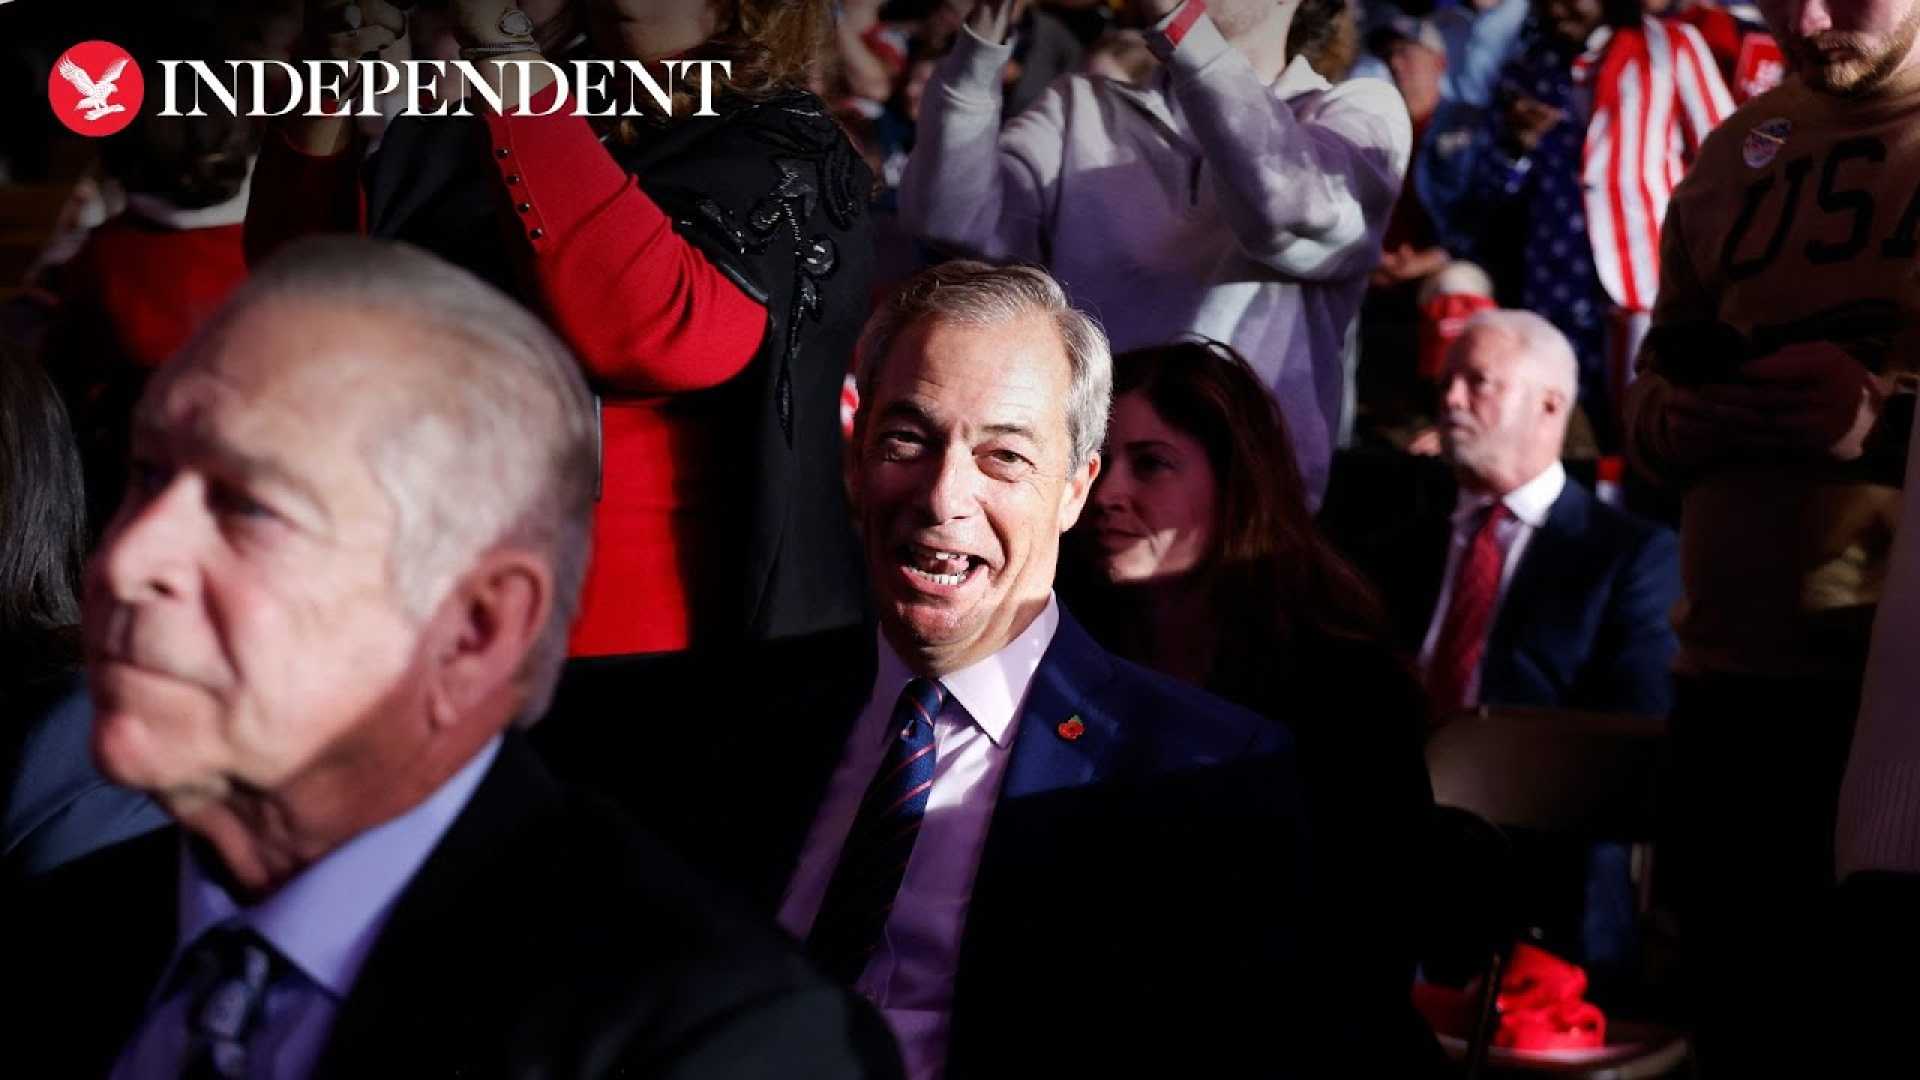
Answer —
(1235, 194)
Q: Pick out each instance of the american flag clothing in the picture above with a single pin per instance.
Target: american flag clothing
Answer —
(1656, 95)
(1648, 96)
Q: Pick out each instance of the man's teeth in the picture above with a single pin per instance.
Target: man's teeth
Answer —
(938, 579)
(939, 567)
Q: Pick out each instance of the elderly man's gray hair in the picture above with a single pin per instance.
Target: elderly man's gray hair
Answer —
(492, 434)
(976, 294)
(1549, 354)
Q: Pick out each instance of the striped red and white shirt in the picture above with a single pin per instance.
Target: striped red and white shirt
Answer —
(1656, 95)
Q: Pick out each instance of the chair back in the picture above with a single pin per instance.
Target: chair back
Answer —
(1551, 770)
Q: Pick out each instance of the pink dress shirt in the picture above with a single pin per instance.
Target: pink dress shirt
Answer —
(910, 979)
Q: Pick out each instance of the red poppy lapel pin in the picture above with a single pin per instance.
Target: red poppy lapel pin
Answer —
(1071, 728)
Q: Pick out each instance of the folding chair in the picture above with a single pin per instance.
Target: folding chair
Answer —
(1578, 774)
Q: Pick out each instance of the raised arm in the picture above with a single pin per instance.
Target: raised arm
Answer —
(970, 187)
(307, 180)
(1307, 191)
(645, 310)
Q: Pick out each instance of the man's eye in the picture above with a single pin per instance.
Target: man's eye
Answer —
(227, 500)
(900, 446)
(1006, 464)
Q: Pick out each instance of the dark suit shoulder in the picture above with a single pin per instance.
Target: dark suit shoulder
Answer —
(548, 933)
(1610, 525)
(1186, 722)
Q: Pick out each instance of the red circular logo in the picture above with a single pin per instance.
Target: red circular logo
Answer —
(96, 88)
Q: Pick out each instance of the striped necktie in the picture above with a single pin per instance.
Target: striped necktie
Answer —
(233, 967)
(861, 893)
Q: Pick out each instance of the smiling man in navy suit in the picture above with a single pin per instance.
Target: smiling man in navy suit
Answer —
(1033, 857)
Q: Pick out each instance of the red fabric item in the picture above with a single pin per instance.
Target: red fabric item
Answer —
(1463, 633)
(1443, 319)
(1721, 32)
(1653, 82)
(649, 317)
(1541, 1006)
(1564, 1025)
(1182, 23)
(156, 285)
(1760, 67)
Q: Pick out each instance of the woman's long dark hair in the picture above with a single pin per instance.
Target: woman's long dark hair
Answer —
(42, 524)
(1273, 581)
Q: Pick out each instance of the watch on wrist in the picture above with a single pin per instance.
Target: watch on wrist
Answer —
(516, 23)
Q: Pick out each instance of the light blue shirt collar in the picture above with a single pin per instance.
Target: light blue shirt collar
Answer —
(326, 919)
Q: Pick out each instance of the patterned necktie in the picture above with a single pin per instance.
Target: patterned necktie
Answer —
(232, 967)
(1463, 633)
(867, 879)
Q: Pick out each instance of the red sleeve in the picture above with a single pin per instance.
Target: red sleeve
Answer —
(644, 309)
(298, 194)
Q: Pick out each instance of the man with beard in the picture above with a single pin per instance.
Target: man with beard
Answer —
(1532, 592)
(1775, 396)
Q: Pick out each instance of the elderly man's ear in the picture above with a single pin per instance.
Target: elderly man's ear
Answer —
(1556, 402)
(483, 631)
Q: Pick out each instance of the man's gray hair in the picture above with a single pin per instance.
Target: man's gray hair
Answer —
(1549, 353)
(977, 294)
(492, 434)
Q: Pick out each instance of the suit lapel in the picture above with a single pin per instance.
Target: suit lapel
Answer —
(437, 912)
(1060, 742)
(113, 921)
(1063, 742)
(1539, 572)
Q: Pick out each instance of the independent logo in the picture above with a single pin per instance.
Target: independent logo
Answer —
(96, 88)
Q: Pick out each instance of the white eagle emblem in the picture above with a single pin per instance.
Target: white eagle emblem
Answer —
(94, 93)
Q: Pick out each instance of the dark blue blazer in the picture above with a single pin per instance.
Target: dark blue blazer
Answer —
(1586, 621)
(1139, 890)
(1140, 894)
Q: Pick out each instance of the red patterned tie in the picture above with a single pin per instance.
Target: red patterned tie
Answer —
(1463, 634)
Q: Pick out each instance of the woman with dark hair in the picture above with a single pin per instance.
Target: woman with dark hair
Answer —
(711, 273)
(42, 534)
(1197, 556)
(53, 805)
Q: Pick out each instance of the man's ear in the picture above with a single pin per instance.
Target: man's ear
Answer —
(1079, 486)
(1555, 402)
(485, 628)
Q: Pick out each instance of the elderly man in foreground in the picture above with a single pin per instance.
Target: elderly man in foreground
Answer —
(342, 576)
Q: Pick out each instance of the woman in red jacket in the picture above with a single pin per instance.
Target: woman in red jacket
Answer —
(711, 274)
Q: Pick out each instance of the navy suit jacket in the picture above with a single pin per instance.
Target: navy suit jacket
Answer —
(1140, 893)
(1139, 890)
(1586, 620)
(544, 936)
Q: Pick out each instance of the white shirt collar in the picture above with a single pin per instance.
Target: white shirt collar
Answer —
(992, 690)
(1530, 503)
(325, 919)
